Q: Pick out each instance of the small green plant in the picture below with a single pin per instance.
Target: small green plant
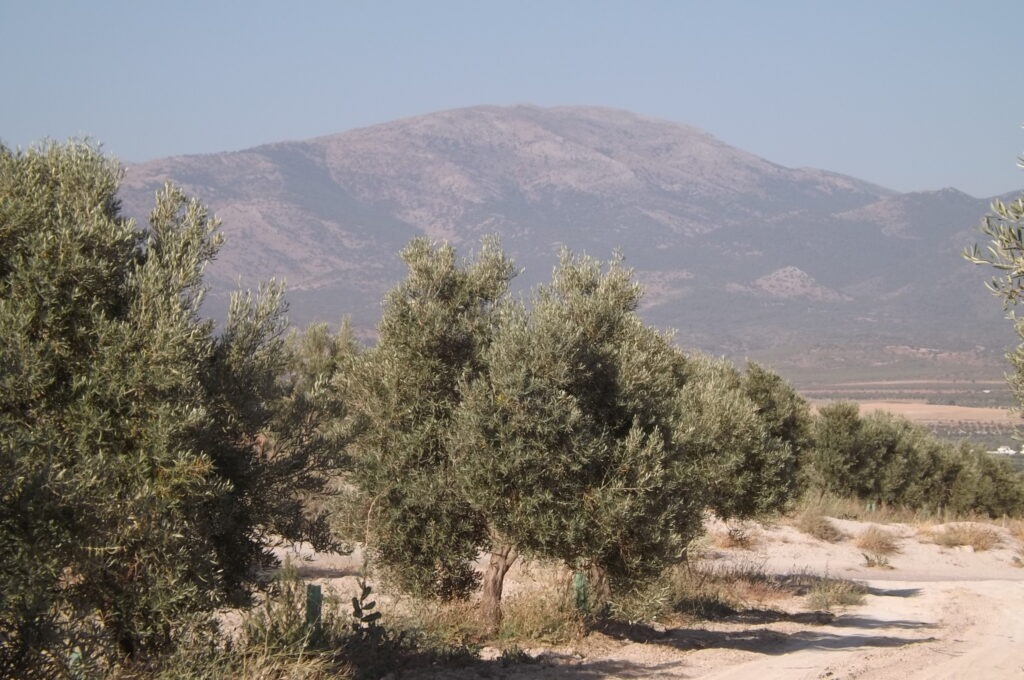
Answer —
(876, 561)
(366, 622)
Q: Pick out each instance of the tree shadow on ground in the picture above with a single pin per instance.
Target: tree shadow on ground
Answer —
(827, 633)
(899, 592)
(554, 667)
(870, 623)
(767, 641)
(821, 630)
(819, 618)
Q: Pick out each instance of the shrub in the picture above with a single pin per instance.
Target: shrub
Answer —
(405, 390)
(885, 460)
(568, 430)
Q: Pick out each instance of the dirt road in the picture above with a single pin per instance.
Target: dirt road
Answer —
(935, 613)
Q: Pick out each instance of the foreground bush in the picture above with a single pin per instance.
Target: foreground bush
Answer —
(144, 457)
(279, 639)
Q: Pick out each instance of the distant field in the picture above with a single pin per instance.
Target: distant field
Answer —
(989, 427)
(985, 394)
(958, 396)
(931, 414)
(869, 373)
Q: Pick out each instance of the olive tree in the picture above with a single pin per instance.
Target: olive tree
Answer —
(404, 392)
(750, 429)
(145, 457)
(570, 443)
(1004, 227)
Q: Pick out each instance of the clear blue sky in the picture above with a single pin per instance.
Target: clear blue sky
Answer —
(909, 94)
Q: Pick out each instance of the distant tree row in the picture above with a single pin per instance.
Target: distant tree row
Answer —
(886, 459)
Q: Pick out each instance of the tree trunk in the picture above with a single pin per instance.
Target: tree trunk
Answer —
(600, 589)
(501, 560)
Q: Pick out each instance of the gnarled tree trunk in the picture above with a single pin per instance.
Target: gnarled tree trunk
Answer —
(600, 588)
(501, 559)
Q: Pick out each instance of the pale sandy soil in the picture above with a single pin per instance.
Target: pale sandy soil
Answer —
(930, 414)
(885, 383)
(938, 413)
(935, 613)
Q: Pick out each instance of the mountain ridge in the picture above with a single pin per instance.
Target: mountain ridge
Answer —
(737, 252)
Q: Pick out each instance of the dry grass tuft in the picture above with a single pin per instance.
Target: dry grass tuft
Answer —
(877, 541)
(870, 511)
(700, 548)
(1016, 528)
(976, 536)
(737, 536)
(759, 591)
(456, 622)
(876, 561)
(548, 616)
(707, 590)
(820, 527)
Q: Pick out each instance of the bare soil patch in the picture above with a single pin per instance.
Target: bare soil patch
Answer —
(919, 412)
(936, 612)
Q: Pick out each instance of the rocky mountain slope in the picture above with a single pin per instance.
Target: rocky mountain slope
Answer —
(739, 254)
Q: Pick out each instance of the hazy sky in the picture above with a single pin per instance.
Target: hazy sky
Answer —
(909, 94)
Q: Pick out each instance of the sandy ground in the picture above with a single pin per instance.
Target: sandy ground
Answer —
(938, 413)
(935, 613)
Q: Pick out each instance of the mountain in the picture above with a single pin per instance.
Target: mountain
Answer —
(741, 255)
